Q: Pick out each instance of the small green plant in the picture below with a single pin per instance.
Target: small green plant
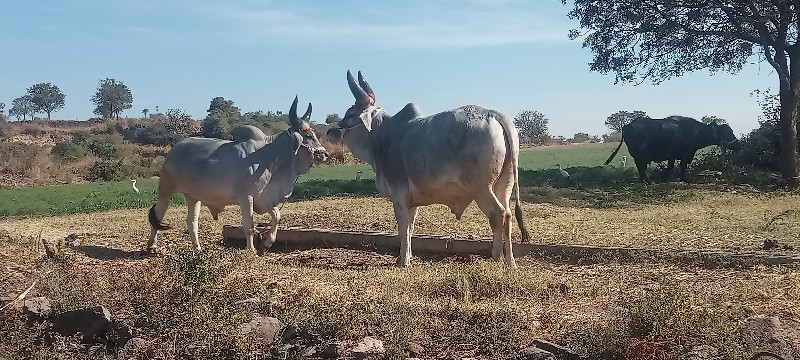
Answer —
(489, 280)
(195, 270)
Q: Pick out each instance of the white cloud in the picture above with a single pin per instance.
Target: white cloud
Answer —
(411, 24)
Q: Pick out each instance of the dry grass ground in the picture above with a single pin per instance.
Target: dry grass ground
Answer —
(683, 219)
(455, 307)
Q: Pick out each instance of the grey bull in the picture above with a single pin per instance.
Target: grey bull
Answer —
(451, 158)
(255, 171)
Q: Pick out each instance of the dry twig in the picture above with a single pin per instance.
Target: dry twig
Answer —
(19, 297)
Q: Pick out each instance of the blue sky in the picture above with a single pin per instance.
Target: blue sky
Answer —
(510, 55)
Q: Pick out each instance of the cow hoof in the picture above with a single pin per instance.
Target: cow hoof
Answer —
(152, 251)
(403, 262)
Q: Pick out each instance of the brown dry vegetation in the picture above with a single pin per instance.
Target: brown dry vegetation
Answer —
(454, 307)
(26, 157)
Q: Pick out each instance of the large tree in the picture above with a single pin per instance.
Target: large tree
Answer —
(111, 98)
(617, 120)
(221, 114)
(532, 127)
(22, 106)
(332, 118)
(46, 98)
(223, 107)
(655, 40)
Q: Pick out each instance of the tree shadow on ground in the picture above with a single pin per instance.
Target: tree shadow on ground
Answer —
(593, 187)
(314, 189)
(598, 187)
(105, 253)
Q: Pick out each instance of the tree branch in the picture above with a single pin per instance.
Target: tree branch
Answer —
(736, 23)
(782, 74)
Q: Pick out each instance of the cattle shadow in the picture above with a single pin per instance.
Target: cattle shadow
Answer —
(314, 189)
(106, 253)
(593, 187)
(598, 187)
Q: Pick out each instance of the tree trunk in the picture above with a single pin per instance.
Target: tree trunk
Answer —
(788, 125)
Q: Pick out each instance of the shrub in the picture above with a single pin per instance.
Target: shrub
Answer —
(33, 129)
(4, 127)
(68, 151)
(80, 137)
(339, 153)
(106, 170)
(155, 134)
(23, 162)
(613, 137)
(580, 138)
(108, 146)
(215, 126)
(195, 270)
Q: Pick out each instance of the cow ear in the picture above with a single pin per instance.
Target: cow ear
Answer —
(366, 118)
(297, 140)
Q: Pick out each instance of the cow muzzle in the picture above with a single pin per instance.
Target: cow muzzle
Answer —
(320, 154)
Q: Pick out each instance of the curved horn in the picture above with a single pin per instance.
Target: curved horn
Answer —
(366, 87)
(362, 98)
(293, 113)
(307, 115)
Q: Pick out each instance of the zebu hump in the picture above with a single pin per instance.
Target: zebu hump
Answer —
(248, 132)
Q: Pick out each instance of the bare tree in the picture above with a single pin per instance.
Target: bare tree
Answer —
(532, 127)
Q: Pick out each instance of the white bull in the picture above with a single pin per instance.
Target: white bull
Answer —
(452, 158)
(251, 171)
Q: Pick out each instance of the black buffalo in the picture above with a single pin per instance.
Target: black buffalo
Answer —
(670, 139)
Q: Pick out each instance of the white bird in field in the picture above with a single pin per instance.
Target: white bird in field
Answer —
(358, 176)
(564, 173)
(133, 183)
(624, 160)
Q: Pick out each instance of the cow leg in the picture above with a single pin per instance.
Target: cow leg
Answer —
(490, 206)
(246, 207)
(405, 227)
(685, 164)
(502, 190)
(164, 196)
(192, 217)
(275, 213)
(668, 171)
(642, 167)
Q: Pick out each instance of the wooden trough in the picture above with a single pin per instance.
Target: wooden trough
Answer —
(299, 238)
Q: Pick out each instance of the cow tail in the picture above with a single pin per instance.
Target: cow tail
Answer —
(513, 149)
(155, 222)
(616, 150)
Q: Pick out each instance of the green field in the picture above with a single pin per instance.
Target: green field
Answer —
(320, 181)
